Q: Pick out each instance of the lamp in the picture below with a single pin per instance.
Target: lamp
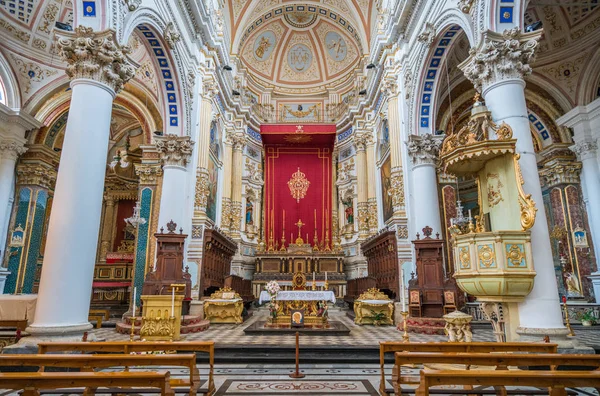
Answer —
(227, 67)
(371, 66)
(362, 92)
(158, 133)
(136, 220)
(235, 92)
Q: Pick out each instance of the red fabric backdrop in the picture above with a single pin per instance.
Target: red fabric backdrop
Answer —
(288, 148)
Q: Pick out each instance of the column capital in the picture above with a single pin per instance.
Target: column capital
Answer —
(210, 89)
(424, 150)
(389, 86)
(96, 56)
(585, 149)
(148, 173)
(501, 56)
(558, 172)
(174, 150)
(362, 139)
(238, 140)
(36, 174)
(11, 148)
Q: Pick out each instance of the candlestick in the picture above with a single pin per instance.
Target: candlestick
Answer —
(172, 301)
(568, 323)
(405, 337)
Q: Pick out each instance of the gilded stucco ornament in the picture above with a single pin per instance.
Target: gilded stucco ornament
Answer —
(528, 209)
(174, 150)
(95, 55)
(501, 57)
(396, 191)
(148, 173)
(235, 216)
(202, 190)
(37, 175)
(363, 217)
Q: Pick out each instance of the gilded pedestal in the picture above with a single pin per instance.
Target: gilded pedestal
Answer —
(373, 308)
(159, 321)
(224, 306)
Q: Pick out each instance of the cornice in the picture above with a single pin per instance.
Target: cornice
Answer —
(21, 118)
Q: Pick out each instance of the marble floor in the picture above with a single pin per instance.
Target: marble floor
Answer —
(232, 334)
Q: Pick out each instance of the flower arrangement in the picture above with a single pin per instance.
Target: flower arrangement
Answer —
(587, 317)
(272, 288)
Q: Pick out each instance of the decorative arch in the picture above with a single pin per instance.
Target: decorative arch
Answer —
(10, 94)
(176, 105)
(590, 82)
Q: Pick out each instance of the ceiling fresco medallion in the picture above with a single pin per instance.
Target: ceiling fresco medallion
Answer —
(299, 58)
(336, 46)
(264, 45)
(300, 19)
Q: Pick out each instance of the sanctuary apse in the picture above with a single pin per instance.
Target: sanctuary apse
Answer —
(315, 139)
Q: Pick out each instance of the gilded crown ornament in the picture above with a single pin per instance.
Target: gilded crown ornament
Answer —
(298, 185)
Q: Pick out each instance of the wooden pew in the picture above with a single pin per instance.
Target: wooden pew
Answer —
(482, 347)
(91, 362)
(555, 380)
(32, 382)
(497, 360)
(137, 346)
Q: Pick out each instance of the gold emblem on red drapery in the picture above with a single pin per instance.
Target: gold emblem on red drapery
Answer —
(298, 185)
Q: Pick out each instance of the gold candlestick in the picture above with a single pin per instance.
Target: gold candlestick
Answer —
(405, 337)
(315, 242)
(568, 324)
(327, 248)
(132, 334)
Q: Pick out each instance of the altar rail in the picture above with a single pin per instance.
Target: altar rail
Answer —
(472, 309)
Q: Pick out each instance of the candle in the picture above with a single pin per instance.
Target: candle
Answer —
(283, 218)
(313, 277)
(469, 213)
(134, 293)
(315, 219)
(402, 292)
(173, 302)
(325, 276)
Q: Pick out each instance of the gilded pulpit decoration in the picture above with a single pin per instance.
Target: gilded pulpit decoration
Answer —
(528, 209)
(96, 56)
(298, 185)
(494, 194)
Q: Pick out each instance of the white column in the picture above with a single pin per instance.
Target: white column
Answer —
(98, 71)
(175, 152)
(423, 151)
(585, 122)
(497, 68)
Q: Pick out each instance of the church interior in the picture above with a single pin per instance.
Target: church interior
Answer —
(361, 197)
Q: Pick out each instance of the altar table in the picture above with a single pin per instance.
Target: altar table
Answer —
(299, 295)
(17, 308)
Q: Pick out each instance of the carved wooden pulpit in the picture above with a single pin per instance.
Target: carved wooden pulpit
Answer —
(169, 264)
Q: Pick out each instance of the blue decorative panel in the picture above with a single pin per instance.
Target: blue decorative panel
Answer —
(425, 110)
(172, 109)
(506, 14)
(58, 125)
(424, 122)
(141, 252)
(35, 240)
(538, 125)
(89, 8)
(171, 98)
(254, 134)
(345, 135)
(515, 255)
(15, 252)
(173, 121)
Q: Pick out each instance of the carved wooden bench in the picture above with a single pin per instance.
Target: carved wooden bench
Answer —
(497, 360)
(128, 347)
(31, 383)
(92, 362)
(556, 381)
(482, 347)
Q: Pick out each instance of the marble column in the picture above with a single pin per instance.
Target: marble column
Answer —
(360, 141)
(372, 187)
(423, 152)
(98, 68)
(226, 191)
(235, 216)
(497, 68)
(175, 152)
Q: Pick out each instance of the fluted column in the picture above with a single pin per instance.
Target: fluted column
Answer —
(360, 141)
(175, 152)
(226, 192)
(497, 68)
(372, 187)
(424, 151)
(239, 141)
(98, 68)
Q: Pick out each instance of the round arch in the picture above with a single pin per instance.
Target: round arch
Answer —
(9, 85)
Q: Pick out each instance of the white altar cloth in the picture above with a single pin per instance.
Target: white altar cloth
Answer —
(299, 295)
(375, 302)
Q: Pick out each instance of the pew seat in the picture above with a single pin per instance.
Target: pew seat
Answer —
(481, 347)
(31, 383)
(555, 381)
(497, 360)
(93, 362)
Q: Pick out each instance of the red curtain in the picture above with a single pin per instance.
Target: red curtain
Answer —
(300, 156)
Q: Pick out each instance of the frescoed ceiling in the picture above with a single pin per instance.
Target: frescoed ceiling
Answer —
(297, 49)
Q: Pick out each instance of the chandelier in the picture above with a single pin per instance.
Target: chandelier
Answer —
(460, 223)
(136, 220)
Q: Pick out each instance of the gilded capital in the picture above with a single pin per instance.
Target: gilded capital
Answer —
(424, 150)
(558, 172)
(37, 175)
(96, 56)
(362, 140)
(239, 140)
(501, 56)
(174, 150)
(148, 173)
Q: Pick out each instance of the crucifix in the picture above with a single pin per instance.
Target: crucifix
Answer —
(299, 240)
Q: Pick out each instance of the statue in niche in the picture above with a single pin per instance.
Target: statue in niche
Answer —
(249, 212)
(573, 288)
(348, 210)
(348, 201)
(251, 229)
